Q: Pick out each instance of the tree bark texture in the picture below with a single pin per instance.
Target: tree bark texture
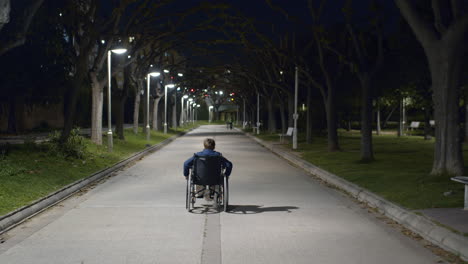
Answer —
(97, 108)
(71, 95)
(444, 45)
(156, 120)
(332, 127)
(136, 111)
(445, 72)
(367, 153)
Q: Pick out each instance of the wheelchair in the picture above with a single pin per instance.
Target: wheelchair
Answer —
(207, 171)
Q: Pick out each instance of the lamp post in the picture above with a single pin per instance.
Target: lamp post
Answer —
(210, 114)
(109, 115)
(182, 113)
(148, 80)
(165, 105)
(193, 112)
(189, 103)
(295, 116)
(196, 113)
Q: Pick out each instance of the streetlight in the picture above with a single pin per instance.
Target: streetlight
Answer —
(182, 114)
(148, 79)
(196, 112)
(109, 74)
(194, 104)
(165, 105)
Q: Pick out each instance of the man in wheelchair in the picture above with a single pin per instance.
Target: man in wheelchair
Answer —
(211, 158)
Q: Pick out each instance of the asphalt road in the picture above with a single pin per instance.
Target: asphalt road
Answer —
(279, 215)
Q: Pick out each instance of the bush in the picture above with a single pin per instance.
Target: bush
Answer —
(73, 147)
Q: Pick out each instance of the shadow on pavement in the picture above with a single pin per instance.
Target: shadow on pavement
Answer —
(255, 209)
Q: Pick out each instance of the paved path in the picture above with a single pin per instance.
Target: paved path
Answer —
(279, 215)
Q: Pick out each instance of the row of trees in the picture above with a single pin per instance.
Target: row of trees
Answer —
(363, 60)
(66, 43)
(422, 54)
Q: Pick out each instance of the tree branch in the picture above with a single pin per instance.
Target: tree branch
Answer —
(420, 26)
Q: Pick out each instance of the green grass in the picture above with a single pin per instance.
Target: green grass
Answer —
(27, 173)
(400, 172)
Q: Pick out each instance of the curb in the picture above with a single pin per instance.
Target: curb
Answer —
(435, 234)
(17, 216)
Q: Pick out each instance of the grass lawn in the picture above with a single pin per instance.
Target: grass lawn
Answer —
(400, 172)
(27, 173)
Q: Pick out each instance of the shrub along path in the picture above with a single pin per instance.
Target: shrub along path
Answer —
(30, 171)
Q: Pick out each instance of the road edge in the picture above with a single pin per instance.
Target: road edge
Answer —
(435, 234)
(20, 215)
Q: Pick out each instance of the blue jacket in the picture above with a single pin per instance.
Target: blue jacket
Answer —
(208, 152)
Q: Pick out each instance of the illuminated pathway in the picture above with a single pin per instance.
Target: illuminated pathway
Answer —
(279, 215)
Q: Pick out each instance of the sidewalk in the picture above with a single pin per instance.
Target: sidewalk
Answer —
(444, 227)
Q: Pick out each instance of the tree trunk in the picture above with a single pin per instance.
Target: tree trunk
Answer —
(309, 117)
(332, 135)
(445, 72)
(367, 153)
(136, 111)
(156, 114)
(71, 97)
(378, 117)
(271, 114)
(96, 110)
(174, 111)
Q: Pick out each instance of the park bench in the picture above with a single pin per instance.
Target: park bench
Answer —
(289, 133)
(464, 180)
(414, 125)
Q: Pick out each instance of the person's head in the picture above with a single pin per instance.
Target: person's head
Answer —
(209, 143)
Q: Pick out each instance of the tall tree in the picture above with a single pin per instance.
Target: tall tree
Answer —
(441, 27)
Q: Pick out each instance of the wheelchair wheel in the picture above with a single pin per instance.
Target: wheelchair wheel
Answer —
(226, 194)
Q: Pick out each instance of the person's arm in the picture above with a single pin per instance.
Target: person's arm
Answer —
(187, 165)
(228, 165)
